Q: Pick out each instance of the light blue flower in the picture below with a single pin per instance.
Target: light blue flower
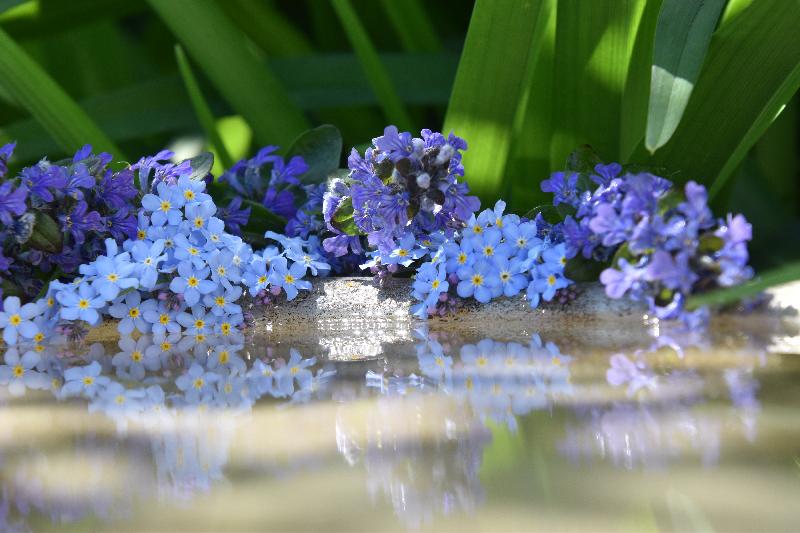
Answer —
(131, 362)
(262, 378)
(198, 322)
(17, 320)
(223, 271)
(191, 190)
(458, 254)
(198, 214)
(477, 280)
(405, 252)
(148, 256)
(197, 384)
(188, 251)
(114, 275)
(546, 282)
(488, 245)
(522, 237)
(191, 283)
(295, 369)
(222, 301)
(256, 275)
(160, 317)
(81, 304)
(289, 278)
(430, 282)
(511, 281)
(214, 232)
(225, 356)
(165, 207)
(128, 309)
(84, 381)
(20, 374)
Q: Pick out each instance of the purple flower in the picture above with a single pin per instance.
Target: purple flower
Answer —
(77, 180)
(287, 172)
(121, 224)
(81, 220)
(12, 202)
(605, 173)
(674, 273)
(394, 145)
(280, 202)
(6, 151)
(41, 179)
(340, 245)
(233, 216)
(564, 187)
(618, 282)
(116, 189)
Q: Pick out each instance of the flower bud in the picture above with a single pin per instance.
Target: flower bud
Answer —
(424, 180)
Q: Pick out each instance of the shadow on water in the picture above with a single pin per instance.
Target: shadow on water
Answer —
(165, 433)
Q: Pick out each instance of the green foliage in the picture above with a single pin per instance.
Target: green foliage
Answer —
(321, 148)
(682, 36)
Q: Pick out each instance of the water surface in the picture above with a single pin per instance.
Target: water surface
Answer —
(432, 431)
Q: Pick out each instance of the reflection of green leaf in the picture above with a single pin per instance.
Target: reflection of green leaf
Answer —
(683, 33)
(321, 148)
(343, 217)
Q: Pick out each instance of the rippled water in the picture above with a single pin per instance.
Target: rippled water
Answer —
(434, 431)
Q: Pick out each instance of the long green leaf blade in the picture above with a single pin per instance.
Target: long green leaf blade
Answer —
(778, 276)
(490, 83)
(594, 44)
(236, 72)
(682, 36)
(413, 25)
(37, 92)
(373, 68)
(201, 108)
(748, 76)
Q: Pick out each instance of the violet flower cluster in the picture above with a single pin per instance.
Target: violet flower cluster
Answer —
(402, 185)
(664, 246)
(274, 183)
(54, 216)
(183, 274)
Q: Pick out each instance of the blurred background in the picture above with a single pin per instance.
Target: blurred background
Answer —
(524, 81)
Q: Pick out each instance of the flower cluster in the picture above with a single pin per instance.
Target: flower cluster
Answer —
(664, 246)
(54, 216)
(495, 255)
(182, 273)
(402, 185)
(269, 180)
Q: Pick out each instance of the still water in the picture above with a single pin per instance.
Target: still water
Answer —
(435, 431)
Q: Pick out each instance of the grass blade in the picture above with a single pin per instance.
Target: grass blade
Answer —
(236, 72)
(413, 25)
(201, 108)
(752, 69)
(58, 114)
(785, 274)
(489, 85)
(267, 27)
(682, 36)
(379, 79)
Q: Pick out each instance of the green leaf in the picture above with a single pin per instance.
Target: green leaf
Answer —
(201, 108)
(583, 159)
(222, 52)
(262, 219)
(682, 36)
(493, 75)
(201, 166)
(268, 27)
(751, 70)
(778, 276)
(594, 46)
(379, 79)
(343, 220)
(46, 234)
(58, 114)
(413, 25)
(321, 148)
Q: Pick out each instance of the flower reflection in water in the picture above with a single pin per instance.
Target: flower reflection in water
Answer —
(420, 427)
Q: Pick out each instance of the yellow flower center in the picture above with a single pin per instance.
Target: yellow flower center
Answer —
(477, 229)
(136, 356)
(165, 206)
(192, 281)
(193, 250)
(262, 279)
(288, 278)
(225, 328)
(477, 280)
(112, 277)
(224, 357)
(165, 346)
(51, 301)
(439, 361)
(402, 252)
(83, 303)
(188, 194)
(199, 324)
(488, 250)
(164, 319)
(88, 380)
(435, 284)
(198, 222)
(482, 361)
(462, 258)
(228, 388)
(198, 383)
(168, 243)
(15, 320)
(551, 279)
(521, 242)
(19, 371)
(220, 301)
(563, 261)
(133, 312)
(141, 234)
(148, 261)
(294, 370)
(498, 222)
(38, 348)
(199, 338)
(505, 276)
(120, 399)
(221, 270)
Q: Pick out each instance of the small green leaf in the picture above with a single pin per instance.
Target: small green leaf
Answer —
(778, 276)
(262, 219)
(583, 160)
(201, 166)
(46, 234)
(343, 217)
(683, 34)
(321, 148)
